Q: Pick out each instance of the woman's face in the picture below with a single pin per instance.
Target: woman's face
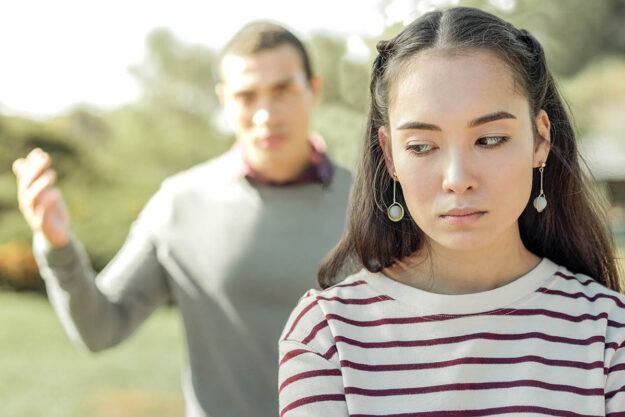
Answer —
(460, 138)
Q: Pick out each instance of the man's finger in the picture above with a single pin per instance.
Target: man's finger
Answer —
(17, 164)
(36, 162)
(38, 186)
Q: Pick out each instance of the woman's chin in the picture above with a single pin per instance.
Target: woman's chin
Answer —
(463, 241)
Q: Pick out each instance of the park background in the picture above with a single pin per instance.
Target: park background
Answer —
(111, 156)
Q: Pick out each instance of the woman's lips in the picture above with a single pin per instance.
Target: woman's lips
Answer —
(462, 217)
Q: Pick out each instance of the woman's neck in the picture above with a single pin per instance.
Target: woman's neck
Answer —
(446, 271)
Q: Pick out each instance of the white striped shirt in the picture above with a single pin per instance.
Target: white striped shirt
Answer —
(548, 343)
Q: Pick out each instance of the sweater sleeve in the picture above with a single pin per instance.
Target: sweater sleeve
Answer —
(100, 311)
(310, 379)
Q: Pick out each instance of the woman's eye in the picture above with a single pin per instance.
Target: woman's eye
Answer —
(420, 148)
(491, 141)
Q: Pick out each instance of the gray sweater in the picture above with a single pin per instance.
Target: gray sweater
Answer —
(233, 255)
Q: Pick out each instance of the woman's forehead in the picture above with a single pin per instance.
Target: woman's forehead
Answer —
(446, 84)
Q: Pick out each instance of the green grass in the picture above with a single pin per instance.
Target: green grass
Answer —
(43, 374)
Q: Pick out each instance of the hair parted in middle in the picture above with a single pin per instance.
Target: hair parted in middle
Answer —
(573, 232)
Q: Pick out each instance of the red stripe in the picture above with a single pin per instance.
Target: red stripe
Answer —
(612, 345)
(557, 315)
(612, 323)
(309, 374)
(613, 393)
(296, 352)
(351, 284)
(299, 316)
(330, 352)
(503, 312)
(471, 360)
(291, 354)
(312, 399)
(314, 332)
(474, 387)
(359, 301)
(619, 367)
(582, 295)
(574, 278)
(457, 339)
(487, 412)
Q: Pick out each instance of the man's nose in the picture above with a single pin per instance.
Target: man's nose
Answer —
(260, 117)
(265, 113)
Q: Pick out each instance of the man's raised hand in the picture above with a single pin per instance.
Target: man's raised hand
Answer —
(41, 205)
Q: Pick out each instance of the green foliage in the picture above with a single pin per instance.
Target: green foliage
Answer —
(178, 76)
(326, 53)
(597, 98)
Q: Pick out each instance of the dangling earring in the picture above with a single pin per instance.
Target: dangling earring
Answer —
(395, 211)
(540, 202)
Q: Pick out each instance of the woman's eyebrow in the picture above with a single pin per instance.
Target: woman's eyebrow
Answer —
(491, 118)
(418, 126)
(414, 125)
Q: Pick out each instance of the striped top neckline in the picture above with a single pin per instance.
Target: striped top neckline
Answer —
(424, 302)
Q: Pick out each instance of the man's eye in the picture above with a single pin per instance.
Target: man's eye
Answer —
(420, 148)
(283, 89)
(491, 141)
(244, 97)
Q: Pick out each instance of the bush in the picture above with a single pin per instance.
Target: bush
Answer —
(18, 269)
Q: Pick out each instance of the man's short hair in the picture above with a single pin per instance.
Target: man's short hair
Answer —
(260, 36)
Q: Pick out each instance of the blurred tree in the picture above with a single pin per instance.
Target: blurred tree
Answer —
(326, 55)
(177, 75)
(573, 32)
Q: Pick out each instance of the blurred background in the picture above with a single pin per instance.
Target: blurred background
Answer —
(121, 94)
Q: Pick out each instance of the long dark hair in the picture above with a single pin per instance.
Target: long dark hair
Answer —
(573, 231)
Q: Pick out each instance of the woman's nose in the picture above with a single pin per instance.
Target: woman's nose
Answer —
(458, 175)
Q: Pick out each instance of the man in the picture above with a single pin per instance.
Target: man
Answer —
(234, 241)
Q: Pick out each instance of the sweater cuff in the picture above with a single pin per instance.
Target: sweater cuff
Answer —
(62, 257)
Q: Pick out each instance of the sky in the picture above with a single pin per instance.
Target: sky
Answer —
(57, 54)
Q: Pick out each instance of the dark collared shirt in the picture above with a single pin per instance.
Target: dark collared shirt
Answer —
(319, 170)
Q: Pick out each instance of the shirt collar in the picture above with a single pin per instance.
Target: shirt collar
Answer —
(320, 169)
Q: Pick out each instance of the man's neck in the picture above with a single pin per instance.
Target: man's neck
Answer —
(281, 169)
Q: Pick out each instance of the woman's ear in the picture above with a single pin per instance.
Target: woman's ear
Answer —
(543, 141)
(384, 138)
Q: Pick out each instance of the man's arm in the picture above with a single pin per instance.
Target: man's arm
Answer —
(96, 311)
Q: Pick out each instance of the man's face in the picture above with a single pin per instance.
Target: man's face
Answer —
(268, 100)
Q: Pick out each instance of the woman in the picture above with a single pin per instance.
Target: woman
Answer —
(478, 236)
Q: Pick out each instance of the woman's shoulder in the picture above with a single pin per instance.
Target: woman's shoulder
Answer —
(353, 289)
(579, 287)
(315, 306)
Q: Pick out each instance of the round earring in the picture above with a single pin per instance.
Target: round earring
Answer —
(395, 211)
(540, 202)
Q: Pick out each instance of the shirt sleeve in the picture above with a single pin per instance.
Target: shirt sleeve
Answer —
(98, 311)
(615, 383)
(310, 379)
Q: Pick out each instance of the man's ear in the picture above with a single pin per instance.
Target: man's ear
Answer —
(316, 86)
(219, 90)
(543, 141)
(384, 139)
